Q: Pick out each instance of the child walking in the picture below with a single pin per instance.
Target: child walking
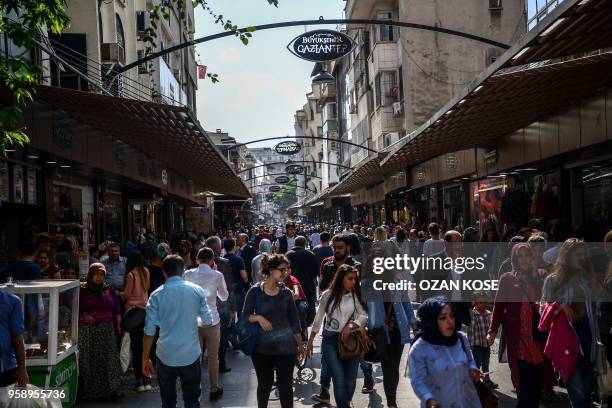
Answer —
(477, 334)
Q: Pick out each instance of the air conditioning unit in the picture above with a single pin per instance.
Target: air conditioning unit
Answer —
(352, 108)
(109, 52)
(144, 67)
(398, 108)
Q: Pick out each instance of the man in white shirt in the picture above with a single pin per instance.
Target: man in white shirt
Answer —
(213, 283)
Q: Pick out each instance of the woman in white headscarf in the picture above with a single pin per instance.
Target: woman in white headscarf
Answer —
(265, 246)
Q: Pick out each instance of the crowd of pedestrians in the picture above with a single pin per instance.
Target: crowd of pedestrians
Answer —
(189, 296)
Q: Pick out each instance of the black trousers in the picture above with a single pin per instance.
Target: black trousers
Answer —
(528, 394)
(390, 364)
(265, 367)
(136, 336)
(225, 316)
(190, 376)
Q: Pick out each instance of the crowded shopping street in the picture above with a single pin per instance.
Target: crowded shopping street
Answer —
(322, 203)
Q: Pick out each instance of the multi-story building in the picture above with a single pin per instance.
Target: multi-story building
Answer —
(106, 35)
(395, 79)
(112, 154)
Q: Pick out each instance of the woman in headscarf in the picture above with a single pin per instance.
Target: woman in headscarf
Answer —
(441, 367)
(155, 269)
(265, 247)
(99, 324)
(516, 309)
(572, 285)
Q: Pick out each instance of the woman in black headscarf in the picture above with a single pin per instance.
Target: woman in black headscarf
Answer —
(441, 366)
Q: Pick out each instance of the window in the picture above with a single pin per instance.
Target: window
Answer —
(165, 57)
(120, 40)
(318, 107)
(140, 22)
(311, 114)
(387, 91)
(385, 32)
(319, 131)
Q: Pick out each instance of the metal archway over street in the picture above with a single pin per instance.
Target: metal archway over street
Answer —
(320, 21)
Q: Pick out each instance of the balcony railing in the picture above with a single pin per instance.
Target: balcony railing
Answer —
(539, 9)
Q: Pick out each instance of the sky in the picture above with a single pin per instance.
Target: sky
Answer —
(262, 84)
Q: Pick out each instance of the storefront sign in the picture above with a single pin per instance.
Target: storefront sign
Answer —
(274, 189)
(490, 158)
(164, 177)
(281, 180)
(294, 169)
(451, 163)
(287, 148)
(4, 181)
(32, 190)
(420, 175)
(321, 45)
(18, 196)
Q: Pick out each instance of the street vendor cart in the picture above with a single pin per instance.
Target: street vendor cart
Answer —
(51, 311)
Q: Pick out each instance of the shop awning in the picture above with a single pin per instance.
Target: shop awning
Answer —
(170, 133)
(566, 57)
(366, 173)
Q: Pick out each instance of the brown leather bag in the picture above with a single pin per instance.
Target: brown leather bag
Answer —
(356, 344)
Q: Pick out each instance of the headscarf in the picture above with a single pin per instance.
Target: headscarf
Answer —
(163, 250)
(514, 258)
(264, 246)
(95, 288)
(428, 314)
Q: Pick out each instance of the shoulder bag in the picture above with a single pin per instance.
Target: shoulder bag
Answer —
(377, 340)
(488, 399)
(247, 331)
(355, 345)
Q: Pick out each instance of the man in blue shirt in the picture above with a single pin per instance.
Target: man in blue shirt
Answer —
(174, 308)
(26, 268)
(115, 267)
(12, 348)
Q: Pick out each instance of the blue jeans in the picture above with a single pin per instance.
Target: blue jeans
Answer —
(482, 355)
(366, 368)
(191, 377)
(343, 372)
(580, 385)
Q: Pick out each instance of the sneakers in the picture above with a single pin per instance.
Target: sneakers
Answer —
(216, 394)
(139, 386)
(322, 396)
(147, 385)
(368, 385)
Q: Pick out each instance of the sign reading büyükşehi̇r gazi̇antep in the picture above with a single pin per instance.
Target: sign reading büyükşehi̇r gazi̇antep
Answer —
(288, 147)
(321, 45)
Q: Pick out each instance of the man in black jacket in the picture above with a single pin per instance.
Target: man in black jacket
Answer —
(304, 266)
(287, 241)
(246, 251)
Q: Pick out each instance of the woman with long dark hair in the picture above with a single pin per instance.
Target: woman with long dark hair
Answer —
(341, 307)
(440, 364)
(99, 322)
(270, 304)
(571, 286)
(136, 294)
(515, 308)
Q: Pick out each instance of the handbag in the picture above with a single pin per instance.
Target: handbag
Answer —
(487, 398)
(355, 345)
(133, 318)
(377, 340)
(246, 331)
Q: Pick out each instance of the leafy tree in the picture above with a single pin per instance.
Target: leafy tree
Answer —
(23, 23)
(287, 196)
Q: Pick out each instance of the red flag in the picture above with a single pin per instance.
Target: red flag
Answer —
(202, 71)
